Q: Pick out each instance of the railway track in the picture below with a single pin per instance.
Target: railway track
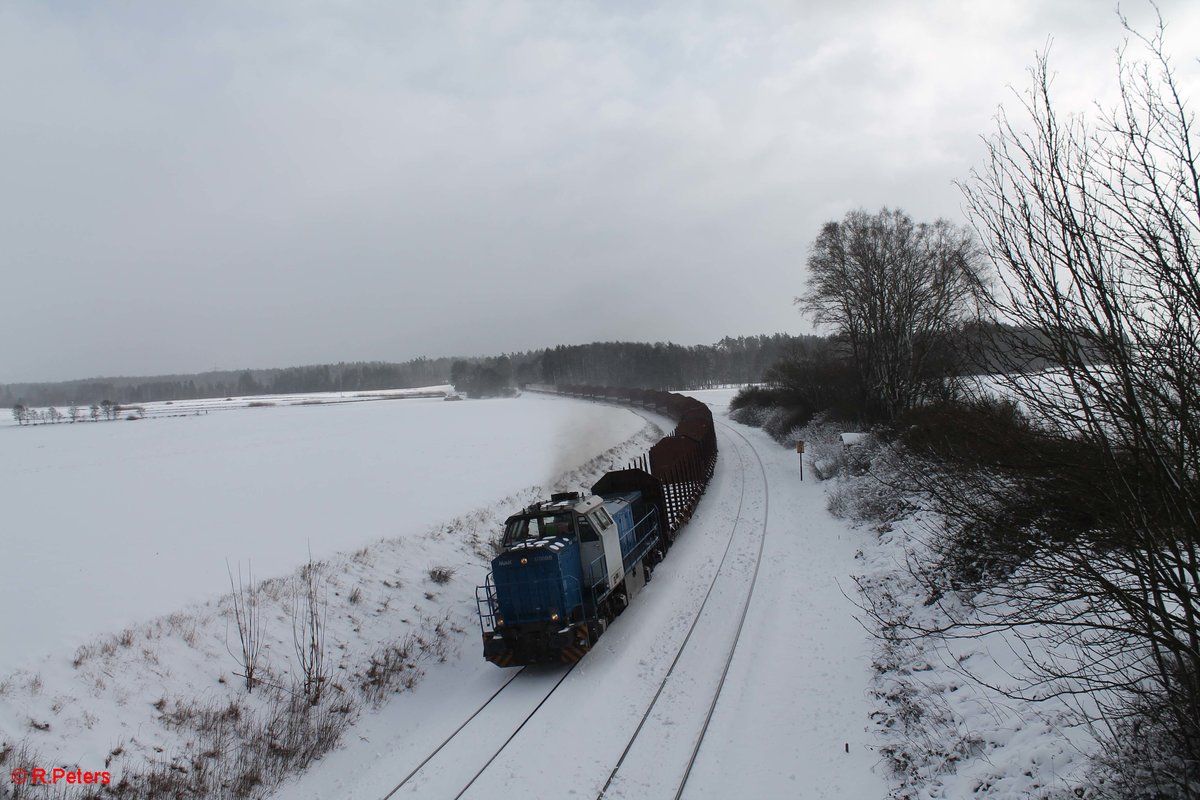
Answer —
(613, 785)
(431, 778)
(459, 761)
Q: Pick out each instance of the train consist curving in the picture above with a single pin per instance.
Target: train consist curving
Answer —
(572, 563)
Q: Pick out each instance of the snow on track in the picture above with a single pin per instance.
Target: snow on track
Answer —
(580, 733)
(794, 696)
(661, 752)
(450, 770)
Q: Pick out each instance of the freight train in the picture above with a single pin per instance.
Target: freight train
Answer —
(569, 565)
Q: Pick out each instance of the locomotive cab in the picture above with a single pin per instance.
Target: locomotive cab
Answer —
(569, 565)
(582, 520)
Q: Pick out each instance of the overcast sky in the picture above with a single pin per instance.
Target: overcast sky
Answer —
(234, 184)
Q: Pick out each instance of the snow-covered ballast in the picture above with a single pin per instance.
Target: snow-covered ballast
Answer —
(573, 563)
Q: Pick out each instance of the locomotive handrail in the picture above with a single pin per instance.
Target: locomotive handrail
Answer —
(489, 596)
(602, 581)
(643, 544)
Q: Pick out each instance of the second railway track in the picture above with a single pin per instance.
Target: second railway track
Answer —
(532, 710)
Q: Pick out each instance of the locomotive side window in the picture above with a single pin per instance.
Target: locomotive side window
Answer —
(586, 532)
(600, 518)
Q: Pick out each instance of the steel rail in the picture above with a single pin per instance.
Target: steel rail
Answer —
(741, 622)
(692, 629)
(456, 731)
(513, 735)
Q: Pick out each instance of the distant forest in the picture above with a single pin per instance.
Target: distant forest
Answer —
(653, 366)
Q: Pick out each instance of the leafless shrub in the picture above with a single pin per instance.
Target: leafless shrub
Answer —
(1140, 759)
(355, 595)
(435, 643)
(82, 654)
(875, 496)
(273, 588)
(441, 575)
(234, 753)
(390, 669)
(247, 615)
(1096, 229)
(309, 609)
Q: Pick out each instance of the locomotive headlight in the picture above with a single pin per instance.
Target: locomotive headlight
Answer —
(524, 561)
(554, 617)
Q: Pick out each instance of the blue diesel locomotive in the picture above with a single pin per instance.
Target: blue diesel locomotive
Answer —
(569, 566)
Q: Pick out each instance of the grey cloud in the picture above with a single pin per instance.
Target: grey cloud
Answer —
(228, 184)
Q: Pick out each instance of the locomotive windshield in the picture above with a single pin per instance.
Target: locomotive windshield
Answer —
(529, 528)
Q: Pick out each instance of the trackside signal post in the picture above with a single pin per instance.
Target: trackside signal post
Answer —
(800, 450)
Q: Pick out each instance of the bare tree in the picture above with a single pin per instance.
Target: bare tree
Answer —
(309, 608)
(1096, 231)
(895, 291)
(73, 412)
(247, 615)
(20, 413)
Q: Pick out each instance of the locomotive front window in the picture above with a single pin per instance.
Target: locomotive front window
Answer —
(521, 530)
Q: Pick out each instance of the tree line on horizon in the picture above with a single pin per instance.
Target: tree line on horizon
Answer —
(659, 365)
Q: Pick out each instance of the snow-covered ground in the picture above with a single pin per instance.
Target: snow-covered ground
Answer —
(113, 522)
(116, 607)
(382, 492)
(791, 721)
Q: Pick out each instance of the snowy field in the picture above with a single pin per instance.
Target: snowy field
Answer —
(112, 523)
(774, 703)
